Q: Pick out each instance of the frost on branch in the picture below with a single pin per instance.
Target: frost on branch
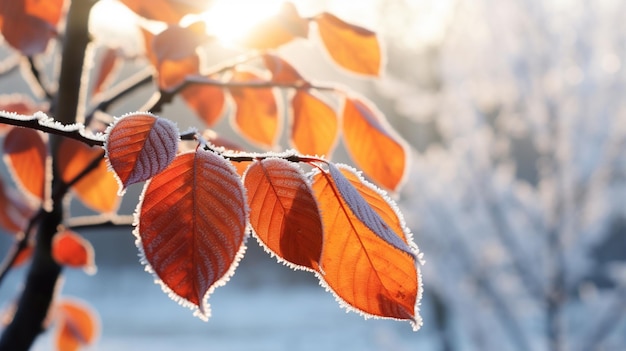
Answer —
(191, 225)
(140, 145)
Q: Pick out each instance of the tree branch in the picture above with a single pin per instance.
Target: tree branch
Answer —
(42, 122)
(38, 86)
(166, 96)
(121, 90)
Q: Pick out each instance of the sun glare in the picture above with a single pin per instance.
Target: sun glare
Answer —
(231, 20)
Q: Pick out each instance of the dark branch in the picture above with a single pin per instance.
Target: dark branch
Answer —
(166, 96)
(38, 83)
(45, 124)
(121, 90)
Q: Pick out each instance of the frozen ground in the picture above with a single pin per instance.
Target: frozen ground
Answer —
(265, 306)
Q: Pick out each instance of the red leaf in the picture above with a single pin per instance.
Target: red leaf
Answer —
(25, 155)
(275, 31)
(72, 250)
(109, 62)
(360, 262)
(284, 213)
(140, 145)
(256, 113)
(28, 25)
(78, 325)
(97, 189)
(282, 71)
(315, 124)
(353, 48)
(372, 144)
(15, 212)
(170, 11)
(207, 101)
(191, 226)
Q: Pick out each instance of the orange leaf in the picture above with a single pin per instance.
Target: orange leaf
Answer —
(170, 11)
(72, 250)
(365, 267)
(175, 52)
(109, 63)
(140, 145)
(78, 325)
(256, 113)
(48, 10)
(315, 124)
(282, 71)
(284, 213)
(351, 47)
(207, 101)
(15, 211)
(96, 189)
(372, 144)
(277, 30)
(28, 25)
(25, 155)
(191, 227)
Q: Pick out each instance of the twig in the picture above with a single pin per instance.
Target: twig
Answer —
(57, 195)
(98, 221)
(166, 96)
(38, 85)
(9, 64)
(19, 245)
(121, 90)
(46, 124)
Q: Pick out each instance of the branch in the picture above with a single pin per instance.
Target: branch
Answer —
(98, 221)
(121, 90)
(165, 96)
(9, 64)
(19, 245)
(37, 84)
(40, 121)
(57, 195)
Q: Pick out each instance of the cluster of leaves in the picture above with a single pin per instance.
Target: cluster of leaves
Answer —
(203, 194)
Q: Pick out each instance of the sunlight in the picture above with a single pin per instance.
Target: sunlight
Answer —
(113, 24)
(230, 20)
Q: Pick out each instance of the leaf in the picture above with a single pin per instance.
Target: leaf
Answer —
(97, 189)
(191, 227)
(78, 325)
(256, 114)
(208, 102)
(15, 211)
(282, 71)
(372, 144)
(315, 125)
(174, 50)
(71, 249)
(25, 155)
(277, 30)
(140, 145)
(170, 11)
(351, 47)
(360, 263)
(284, 213)
(109, 62)
(28, 25)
